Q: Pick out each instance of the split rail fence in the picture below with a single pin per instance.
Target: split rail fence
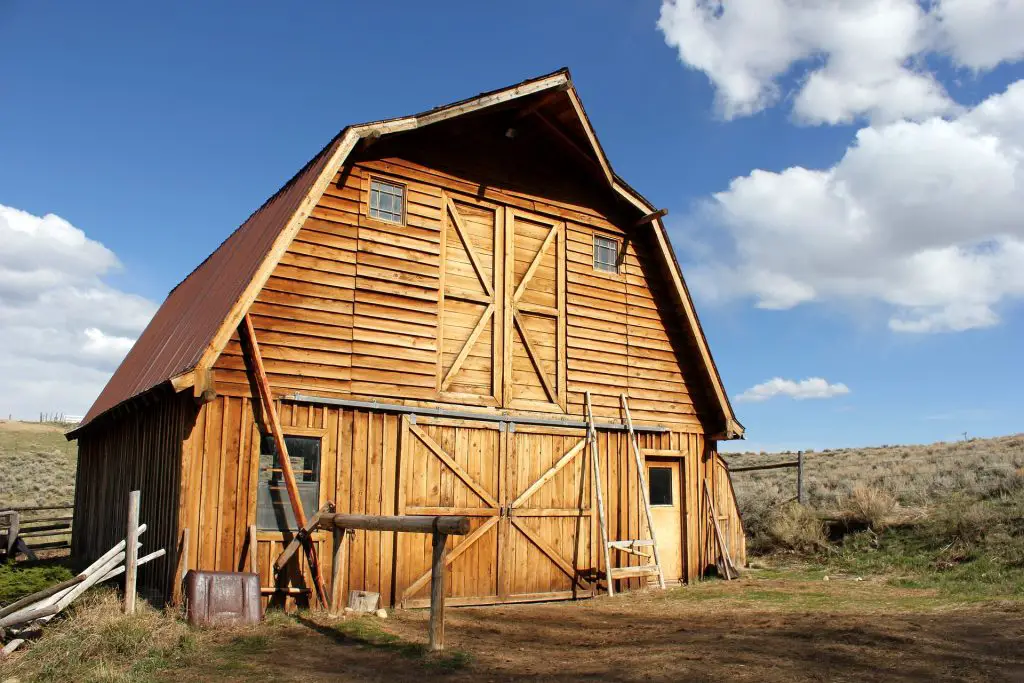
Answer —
(28, 530)
(25, 618)
(798, 464)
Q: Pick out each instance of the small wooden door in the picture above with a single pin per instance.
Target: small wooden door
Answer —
(664, 484)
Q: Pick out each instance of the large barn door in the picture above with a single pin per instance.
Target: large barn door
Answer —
(534, 345)
(470, 336)
(449, 468)
(546, 551)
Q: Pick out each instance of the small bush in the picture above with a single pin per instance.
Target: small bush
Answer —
(870, 506)
(794, 527)
(962, 519)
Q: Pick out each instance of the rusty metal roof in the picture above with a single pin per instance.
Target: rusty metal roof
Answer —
(189, 318)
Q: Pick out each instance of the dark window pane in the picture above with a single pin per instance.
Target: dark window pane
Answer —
(273, 509)
(660, 481)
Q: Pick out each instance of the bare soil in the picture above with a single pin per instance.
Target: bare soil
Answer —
(750, 630)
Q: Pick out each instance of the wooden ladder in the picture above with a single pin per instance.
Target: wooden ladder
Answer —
(629, 547)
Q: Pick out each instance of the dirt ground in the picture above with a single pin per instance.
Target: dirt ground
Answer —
(745, 631)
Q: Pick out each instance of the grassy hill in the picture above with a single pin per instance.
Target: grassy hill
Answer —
(37, 464)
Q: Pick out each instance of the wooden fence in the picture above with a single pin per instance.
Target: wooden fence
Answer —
(29, 530)
(798, 464)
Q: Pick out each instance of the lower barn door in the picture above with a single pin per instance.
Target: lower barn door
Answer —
(449, 467)
(546, 550)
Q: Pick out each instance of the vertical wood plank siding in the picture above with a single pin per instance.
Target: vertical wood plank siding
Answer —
(363, 472)
(139, 451)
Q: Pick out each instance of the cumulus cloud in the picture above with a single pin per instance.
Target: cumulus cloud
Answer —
(925, 218)
(835, 60)
(813, 387)
(64, 328)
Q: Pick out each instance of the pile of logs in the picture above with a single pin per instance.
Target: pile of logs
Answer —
(25, 618)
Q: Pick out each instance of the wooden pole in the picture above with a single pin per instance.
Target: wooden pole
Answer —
(338, 566)
(181, 569)
(800, 477)
(595, 455)
(450, 525)
(267, 400)
(644, 492)
(437, 581)
(254, 565)
(131, 552)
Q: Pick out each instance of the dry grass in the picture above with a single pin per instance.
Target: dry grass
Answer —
(914, 475)
(37, 464)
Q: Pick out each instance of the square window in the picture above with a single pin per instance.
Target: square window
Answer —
(273, 508)
(387, 201)
(606, 254)
(659, 480)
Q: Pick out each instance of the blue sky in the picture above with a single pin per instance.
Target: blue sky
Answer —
(156, 128)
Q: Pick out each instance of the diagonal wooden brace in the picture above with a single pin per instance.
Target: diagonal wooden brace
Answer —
(251, 349)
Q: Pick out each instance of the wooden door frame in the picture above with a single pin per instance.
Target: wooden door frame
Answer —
(684, 499)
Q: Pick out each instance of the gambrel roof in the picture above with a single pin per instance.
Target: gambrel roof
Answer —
(197, 319)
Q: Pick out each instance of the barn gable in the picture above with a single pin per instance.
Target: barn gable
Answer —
(296, 268)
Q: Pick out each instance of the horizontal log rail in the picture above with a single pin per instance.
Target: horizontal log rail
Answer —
(26, 529)
(773, 466)
(450, 525)
(440, 527)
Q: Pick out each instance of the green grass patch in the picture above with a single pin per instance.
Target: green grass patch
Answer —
(17, 581)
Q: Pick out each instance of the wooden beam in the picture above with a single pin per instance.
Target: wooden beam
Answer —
(132, 552)
(651, 217)
(203, 389)
(251, 349)
(444, 524)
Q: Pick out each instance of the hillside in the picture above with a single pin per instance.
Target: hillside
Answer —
(37, 464)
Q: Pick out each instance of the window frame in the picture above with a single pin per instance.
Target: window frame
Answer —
(607, 272)
(257, 434)
(403, 187)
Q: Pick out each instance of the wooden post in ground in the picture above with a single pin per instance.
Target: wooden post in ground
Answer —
(800, 477)
(338, 566)
(254, 565)
(437, 581)
(131, 557)
(181, 569)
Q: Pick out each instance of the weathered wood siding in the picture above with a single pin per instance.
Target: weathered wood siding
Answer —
(376, 463)
(140, 450)
(364, 309)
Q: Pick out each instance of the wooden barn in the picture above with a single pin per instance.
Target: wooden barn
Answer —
(432, 301)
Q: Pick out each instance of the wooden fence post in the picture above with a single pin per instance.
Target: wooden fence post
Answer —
(131, 557)
(437, 581)
(254, 565)
(800, 477)
(339, 561)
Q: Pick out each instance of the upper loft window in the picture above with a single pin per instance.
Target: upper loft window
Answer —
(606, 254)
(387, 201)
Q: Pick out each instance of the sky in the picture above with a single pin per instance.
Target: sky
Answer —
(845, 181)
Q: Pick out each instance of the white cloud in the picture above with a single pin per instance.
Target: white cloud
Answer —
(813, 387)
(64, 328)
(840, 59)
(926, 218)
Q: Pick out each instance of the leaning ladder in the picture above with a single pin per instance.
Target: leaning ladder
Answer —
(630, 547)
